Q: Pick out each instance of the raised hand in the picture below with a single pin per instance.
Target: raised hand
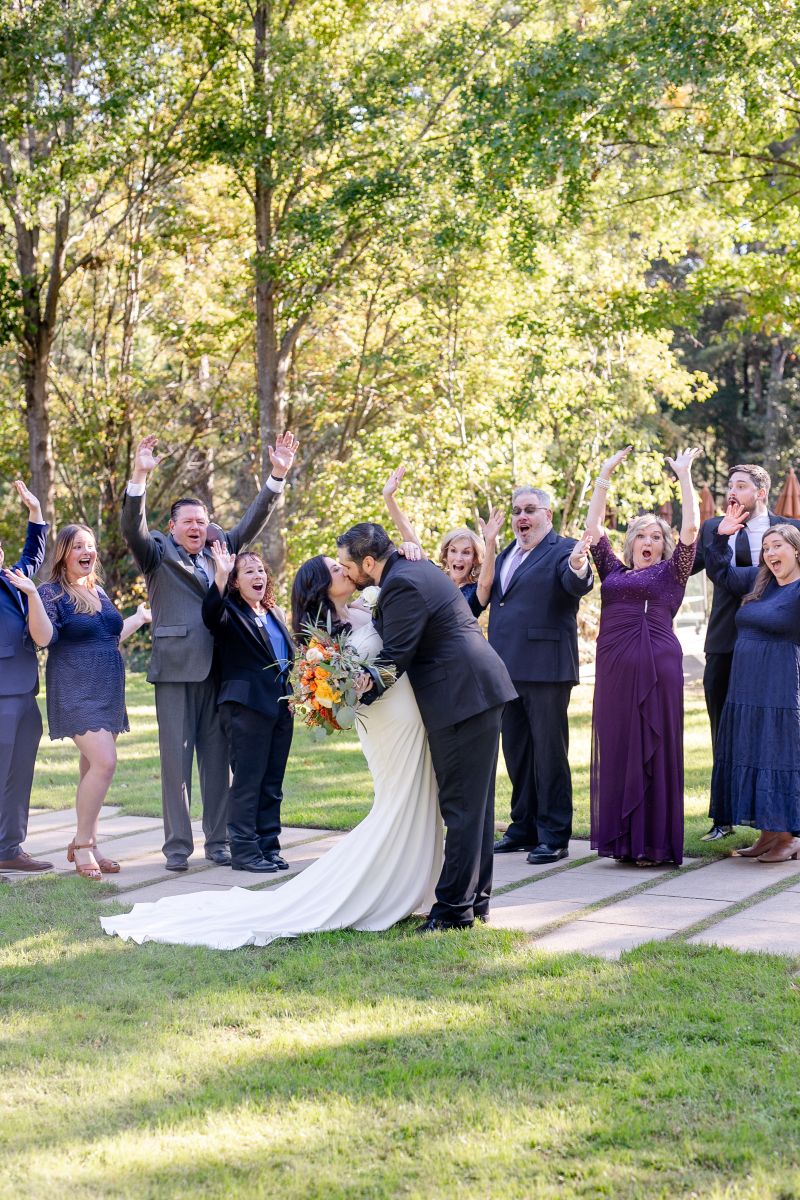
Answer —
(491, 528)
(682, 465)
(281, 455)
(735, 517)
(393, 482)
(612, 463)
(22, 582)
(223, 560)
(580, 553)
(146, 458)
(30, 501)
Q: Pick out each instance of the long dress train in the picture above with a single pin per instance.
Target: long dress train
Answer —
(382, 871)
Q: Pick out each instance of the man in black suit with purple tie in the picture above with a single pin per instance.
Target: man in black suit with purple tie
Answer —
(20, 720)
(538, 584)
(749, 486)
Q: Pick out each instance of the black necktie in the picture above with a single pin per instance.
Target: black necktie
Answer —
(743, 556)
(198, 570)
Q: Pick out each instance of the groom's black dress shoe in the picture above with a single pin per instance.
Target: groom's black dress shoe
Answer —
(435, 925)
(221, 857)
(274, 857)
(259, 866)
(176, 862)
(505, 845)
(546, 854)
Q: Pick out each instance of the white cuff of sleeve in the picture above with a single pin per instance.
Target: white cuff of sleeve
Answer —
(581, 574)
(276, 485)
(136, 489)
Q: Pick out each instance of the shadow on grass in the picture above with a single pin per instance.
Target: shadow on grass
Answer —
(393, 1056)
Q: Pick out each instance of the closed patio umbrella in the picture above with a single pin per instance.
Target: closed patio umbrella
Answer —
(788, 504)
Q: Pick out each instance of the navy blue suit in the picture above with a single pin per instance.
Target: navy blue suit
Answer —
(20, 721)
(533, 628)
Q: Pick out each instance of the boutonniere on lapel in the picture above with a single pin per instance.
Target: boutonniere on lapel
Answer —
(370, 597)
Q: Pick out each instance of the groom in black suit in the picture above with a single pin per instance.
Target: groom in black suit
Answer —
(461, 686)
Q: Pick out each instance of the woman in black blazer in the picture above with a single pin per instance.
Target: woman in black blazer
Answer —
(254, 652)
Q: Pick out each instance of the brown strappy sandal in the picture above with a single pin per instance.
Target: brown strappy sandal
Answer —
(89, 870)
(108, 866)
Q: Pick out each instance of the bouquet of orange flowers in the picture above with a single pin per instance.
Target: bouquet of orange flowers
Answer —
(323, 681)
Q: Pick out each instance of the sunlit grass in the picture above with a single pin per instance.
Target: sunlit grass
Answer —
(361, 1065)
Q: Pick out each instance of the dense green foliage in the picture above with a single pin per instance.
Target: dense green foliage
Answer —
(492, 242)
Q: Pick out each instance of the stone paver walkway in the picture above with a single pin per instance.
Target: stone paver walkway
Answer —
(584, 904)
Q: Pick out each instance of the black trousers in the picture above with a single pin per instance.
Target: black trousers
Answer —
(20, 733)
(536, 750)
(716, 678)
(465, 760)
(258, 744)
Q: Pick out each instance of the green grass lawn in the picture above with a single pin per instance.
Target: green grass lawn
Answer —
(378, 1066)
(327, 783)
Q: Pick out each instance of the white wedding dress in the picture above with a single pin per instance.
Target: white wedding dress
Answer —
(383, 870)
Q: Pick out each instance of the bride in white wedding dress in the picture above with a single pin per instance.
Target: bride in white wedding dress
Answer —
(382, 871)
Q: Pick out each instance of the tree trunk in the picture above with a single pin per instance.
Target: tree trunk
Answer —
(772, 407)
(271, 366)
(35, 364)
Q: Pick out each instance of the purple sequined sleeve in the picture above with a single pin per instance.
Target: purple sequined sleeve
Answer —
(605, 559)
(681, 562)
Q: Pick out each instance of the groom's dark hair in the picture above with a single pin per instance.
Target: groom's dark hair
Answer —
(366, 539)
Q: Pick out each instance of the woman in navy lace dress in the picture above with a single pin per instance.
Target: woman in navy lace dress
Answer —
(757, 754)
(85, 675)
(636, 783)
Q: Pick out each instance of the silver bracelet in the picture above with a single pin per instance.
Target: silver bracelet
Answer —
(605, 484)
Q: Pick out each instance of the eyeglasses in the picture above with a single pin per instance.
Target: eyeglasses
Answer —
(518, 512)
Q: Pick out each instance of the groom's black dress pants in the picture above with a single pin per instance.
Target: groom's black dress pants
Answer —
(465, 760)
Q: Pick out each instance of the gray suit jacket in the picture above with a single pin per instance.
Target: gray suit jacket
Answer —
(183, 648)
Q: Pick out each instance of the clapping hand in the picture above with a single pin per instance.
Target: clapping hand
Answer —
(491, 528)
(682, 465)
(735, 517)
(21, 581)
(223, 563)
(393, 482)
(30, 501)
(580, 554)
(281, 455)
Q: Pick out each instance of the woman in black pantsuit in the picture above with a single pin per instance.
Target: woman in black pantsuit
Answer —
(254, 651)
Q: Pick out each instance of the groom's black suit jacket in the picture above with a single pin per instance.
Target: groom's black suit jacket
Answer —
(429, 632)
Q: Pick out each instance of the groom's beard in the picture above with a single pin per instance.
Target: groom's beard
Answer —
(362, 582)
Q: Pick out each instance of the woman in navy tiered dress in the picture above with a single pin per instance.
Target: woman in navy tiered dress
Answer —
(636, 784)
(757, 753)
(85, 675)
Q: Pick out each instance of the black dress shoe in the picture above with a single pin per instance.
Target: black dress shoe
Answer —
(716, 832)
(259, 866)
(482, 918)
(436, 925)
(274, 857)
(505, 845)
(176, 862)
(545, 854)
(221, 857)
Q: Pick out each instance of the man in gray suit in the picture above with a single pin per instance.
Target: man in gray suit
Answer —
(178, 569)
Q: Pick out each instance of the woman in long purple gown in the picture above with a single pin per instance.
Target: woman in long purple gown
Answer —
(636, 784)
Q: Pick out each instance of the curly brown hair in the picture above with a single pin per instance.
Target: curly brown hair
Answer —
(269, 591)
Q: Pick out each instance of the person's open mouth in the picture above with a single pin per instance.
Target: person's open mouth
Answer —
(85, 562)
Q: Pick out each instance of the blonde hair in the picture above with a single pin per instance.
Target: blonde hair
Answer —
(636, 526)
(791, 535)
(478, 549)
(58, 569)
